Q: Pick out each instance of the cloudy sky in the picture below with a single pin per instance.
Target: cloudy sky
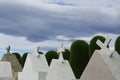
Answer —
(26, 24)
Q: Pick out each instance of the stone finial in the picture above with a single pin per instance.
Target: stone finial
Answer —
(103, 46)
(38, 48)
(61, 50)
(8, 49)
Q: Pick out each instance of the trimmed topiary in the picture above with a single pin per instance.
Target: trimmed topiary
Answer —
(51, 55)
(40, 52)
(79, 57)
(93, 45)
(23, 59)
(66, 54)
(17, 56)
(117, 44)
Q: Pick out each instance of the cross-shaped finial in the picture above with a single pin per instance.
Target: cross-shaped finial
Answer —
(38, 48)
(8, 49)
(103, 46)
(61, 50)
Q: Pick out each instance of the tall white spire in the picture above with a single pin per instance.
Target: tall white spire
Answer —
(60, 51)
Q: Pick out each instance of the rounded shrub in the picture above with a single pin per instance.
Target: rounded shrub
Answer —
(66, 54)
(93, 45)
(40, 52)
(51, 55)
(17, 56)
(79, 57)
(117, 44)
(23, 59)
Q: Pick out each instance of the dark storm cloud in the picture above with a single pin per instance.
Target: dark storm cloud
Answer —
(24, 21)
(37, 24)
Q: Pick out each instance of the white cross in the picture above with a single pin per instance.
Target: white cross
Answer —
(61, 50)
(103, 46)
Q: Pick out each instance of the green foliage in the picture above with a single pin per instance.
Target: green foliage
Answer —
(17, 56)
(117, 44)
(79, 57)
(51, 55)
(66, 54)
(23, 59)
(40, 52)
(93, 45)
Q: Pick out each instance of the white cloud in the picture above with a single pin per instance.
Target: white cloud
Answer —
(20, 43)
(82, 3)
(23, 44)
(15, 42)
(70, 22)
(62, 37)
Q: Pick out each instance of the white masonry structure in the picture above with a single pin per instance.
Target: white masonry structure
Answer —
(6, 71)
(15, 65)
(35, 68)
(104, 64)
(60, 69)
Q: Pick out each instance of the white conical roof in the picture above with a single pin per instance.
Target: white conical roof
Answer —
(60, 69)
(35, 68)
(36, 63)
(103, 65)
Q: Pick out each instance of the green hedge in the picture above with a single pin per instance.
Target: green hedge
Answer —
(117, 44)
(17, 56)
(79, 57)
(51, 55)
(23, 59)
(66, 54)
(93, 45)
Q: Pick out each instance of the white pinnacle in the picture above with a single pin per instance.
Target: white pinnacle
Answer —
(36, 51)
(61, 50)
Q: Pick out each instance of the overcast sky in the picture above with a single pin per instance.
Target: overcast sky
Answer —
(26, 24)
